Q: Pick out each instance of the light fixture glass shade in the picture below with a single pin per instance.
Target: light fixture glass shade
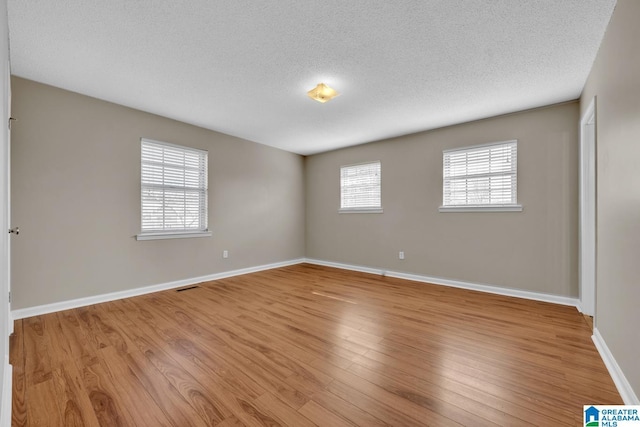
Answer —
(322, 93)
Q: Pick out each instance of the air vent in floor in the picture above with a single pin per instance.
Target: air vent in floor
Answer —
(187, 289)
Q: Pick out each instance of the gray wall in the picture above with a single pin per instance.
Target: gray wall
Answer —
(76, 197)
(533, 250)
(615, 81)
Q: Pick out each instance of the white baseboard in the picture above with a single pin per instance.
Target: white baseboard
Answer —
(5, 403)
(96, 299)
(344, 266)
(556, 299)
(624, 388)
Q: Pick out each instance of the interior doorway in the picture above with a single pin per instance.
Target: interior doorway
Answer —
(588, 210)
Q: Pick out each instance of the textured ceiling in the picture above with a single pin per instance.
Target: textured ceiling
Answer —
(243, 67)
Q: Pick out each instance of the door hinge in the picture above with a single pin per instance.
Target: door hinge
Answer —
(9, 296)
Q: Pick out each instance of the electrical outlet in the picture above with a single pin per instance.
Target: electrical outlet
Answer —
(225, 254)
(401, 255)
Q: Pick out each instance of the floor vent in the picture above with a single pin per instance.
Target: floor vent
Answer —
(187, 289)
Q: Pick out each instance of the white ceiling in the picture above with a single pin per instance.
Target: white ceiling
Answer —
(243, 67)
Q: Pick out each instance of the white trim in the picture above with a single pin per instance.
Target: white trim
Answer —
(537, 296)
(587, 216)
(96, 299)
(166, 235)
(485, 208)
(359, 210)
(6, 323)
(7, 382)
(624, 388)
(359, 268)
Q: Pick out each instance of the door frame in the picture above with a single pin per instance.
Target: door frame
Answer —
(588, 225)
(6, 323)
(8, 193)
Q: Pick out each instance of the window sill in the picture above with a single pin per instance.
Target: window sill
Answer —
(509, 208)
(360, 210)
(166, 235)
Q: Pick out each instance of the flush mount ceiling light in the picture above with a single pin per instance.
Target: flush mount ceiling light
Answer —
(322, 93)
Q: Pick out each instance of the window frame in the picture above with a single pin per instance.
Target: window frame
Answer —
(175, 233)
(363, 209)
(510, 207)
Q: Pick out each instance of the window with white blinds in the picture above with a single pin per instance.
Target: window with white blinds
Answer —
(360, 188)
(174, 189)
(481, 177)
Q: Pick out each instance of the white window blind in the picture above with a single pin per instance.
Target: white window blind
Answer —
(174, 188)
(360, 187)
(481, 176)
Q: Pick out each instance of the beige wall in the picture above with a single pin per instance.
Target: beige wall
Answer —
(533, 250)
(615, 81)
(76, 197)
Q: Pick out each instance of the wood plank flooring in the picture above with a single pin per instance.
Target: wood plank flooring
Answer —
(308, 345)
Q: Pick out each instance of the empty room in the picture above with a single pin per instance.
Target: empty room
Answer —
(320, 213)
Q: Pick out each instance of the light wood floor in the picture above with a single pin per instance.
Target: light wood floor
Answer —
(308, 345)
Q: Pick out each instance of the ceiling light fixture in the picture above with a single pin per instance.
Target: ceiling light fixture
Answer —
(322, 93)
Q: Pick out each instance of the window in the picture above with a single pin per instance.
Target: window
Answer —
(174, 191)
(360, 188)
(481, 178)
